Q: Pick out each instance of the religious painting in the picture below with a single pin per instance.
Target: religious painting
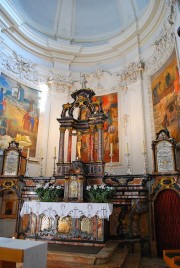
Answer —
(19, 114)
(110, 129)
(165, 86)
(111, 135)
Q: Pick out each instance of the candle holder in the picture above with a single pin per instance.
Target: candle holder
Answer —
(111, 172)
(41, 159)
(27, 168)
(128, 170)
(54, 165)
(145, 171)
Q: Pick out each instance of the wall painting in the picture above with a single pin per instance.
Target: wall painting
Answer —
(111, 135)
(165, 86)
(19, 114)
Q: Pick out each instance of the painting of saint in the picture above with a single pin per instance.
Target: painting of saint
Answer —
(110, 130)
(19, 114)
(165, 86)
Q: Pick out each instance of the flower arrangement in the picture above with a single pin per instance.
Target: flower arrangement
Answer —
(49, 193)
(99, 193)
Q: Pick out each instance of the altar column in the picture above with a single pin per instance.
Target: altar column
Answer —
(91, 147)
(61, 144)
(100, 143)
(69, 145)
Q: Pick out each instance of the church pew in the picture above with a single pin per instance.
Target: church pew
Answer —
(170, 256)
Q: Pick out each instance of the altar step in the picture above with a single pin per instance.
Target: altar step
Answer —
(115, 261)
(108, 257)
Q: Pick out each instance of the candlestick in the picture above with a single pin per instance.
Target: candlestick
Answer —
(111, 148)
(41, 168)
(28, 153)
(54, 166)
(111, 172)
(128, 171)
(127, 148)
(145, 171)
(55, 151)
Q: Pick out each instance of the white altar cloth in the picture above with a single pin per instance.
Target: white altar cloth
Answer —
(63, 209)
(34, 252)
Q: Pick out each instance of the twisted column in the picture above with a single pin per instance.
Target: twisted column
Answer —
(100, 143)
(91, 142)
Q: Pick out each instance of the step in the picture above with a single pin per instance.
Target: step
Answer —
(115, 261)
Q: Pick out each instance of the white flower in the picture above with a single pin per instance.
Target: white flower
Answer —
(88, 187)
(46, 185)
(58, 187)
(38, 186)
(95, 186)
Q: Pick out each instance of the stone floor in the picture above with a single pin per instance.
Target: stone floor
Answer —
(152, 263)
(144, 263)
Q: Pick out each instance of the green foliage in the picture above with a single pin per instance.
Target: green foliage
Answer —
(49, 193)
(99, 194)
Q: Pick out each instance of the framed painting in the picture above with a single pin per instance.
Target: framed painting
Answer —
(165, 86)
(19, 114)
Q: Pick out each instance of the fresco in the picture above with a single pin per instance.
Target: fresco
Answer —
(19, 114)
(111, 136)
(165, 86)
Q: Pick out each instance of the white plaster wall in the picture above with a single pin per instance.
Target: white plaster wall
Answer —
(56, 102)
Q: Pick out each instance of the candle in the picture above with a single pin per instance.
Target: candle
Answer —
(28, 153)
(55, 151)
(111, 148)
(127, 148)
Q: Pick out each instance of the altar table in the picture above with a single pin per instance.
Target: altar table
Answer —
(30, 253)
(66, 220)
(63, 209)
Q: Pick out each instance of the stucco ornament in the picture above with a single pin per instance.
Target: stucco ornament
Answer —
(23, 68)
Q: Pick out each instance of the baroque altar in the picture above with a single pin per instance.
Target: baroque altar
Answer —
(67, 221)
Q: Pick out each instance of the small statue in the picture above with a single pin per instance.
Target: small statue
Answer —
(79, 145)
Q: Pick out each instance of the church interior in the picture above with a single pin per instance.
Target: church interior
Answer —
(90, 133)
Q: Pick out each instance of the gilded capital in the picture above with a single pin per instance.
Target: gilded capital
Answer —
(62, 129)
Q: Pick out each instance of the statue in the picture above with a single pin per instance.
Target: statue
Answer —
(79, 145)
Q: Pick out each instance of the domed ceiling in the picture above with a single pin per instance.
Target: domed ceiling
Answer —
(79, 21)
(72, 34)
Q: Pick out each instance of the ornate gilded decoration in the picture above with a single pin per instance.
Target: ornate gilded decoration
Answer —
(83, 115)
(64, 225)
(86, 225)
(167, 182)
(73, 187)
(7, 184)
(164, 152)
